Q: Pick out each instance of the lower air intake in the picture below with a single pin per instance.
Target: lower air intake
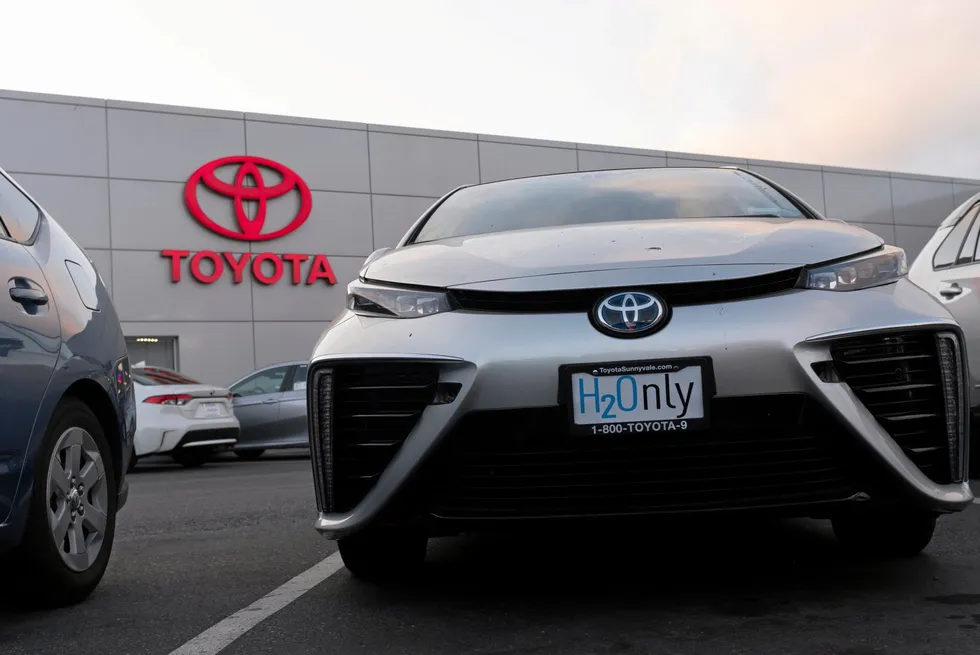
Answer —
(761, 453)
(361, 412)
(912, 383)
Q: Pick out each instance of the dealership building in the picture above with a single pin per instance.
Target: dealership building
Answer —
(227, 239)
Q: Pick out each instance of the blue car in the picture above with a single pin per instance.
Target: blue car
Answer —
(67, 410)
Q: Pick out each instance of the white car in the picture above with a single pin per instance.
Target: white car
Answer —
(181, 417)
(948, 267)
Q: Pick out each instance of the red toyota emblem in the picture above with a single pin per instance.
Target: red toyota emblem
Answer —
(239, 193)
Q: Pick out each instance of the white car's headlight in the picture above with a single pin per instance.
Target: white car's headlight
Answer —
(368, 299)
(880, 267)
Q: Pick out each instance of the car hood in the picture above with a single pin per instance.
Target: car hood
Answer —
(656, 251)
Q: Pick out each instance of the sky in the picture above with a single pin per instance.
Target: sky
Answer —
(892, 85)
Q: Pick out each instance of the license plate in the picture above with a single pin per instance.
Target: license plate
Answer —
(644, 397)
(209, 410)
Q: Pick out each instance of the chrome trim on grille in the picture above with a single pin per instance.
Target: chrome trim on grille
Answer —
(957, 428)
(898, 327)
(318, 400)
(333, 357)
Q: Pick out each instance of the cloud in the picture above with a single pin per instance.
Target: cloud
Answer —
(893, 84)
(865, 83)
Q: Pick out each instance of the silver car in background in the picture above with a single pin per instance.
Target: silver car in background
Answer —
(270, 405)
(632, 345)
(948, 267)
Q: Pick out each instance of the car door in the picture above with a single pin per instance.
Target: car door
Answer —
(292, 409)
(955, 281)
(256, 400)
(30, 337)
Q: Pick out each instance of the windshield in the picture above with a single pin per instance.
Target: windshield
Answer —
(604, 197)
(151, 377)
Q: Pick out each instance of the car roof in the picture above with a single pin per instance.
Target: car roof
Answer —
(298, 362)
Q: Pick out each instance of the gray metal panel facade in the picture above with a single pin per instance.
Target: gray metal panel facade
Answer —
(113, 174)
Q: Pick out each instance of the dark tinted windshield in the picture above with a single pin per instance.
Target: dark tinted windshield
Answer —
(604, 197)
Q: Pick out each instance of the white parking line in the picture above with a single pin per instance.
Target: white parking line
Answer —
(219, 636)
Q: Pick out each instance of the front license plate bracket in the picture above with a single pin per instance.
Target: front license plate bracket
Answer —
(651, 381)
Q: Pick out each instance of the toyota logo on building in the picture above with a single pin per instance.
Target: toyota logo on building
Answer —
(249, 185)
(630, 314)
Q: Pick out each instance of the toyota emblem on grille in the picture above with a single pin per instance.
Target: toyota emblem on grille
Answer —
(629, 314)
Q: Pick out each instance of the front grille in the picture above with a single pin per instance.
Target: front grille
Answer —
(761, 452)
(899, 380)
(364, 411)
(582, 300)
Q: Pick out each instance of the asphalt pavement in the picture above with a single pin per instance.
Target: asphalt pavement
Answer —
(194, 547)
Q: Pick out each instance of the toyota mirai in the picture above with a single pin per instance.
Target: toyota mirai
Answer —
(634, 344)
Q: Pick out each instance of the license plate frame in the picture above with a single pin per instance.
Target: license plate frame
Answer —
(566, 400)
(209, 410)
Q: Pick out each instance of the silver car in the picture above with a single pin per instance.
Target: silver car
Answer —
(948, 267)
(633, 345)
(270, 405)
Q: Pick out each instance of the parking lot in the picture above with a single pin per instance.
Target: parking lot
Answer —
(197, 546)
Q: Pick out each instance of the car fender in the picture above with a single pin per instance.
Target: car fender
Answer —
(78, 377)
(92, 362)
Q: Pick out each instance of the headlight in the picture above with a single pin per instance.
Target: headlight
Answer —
(369, 299)
(880, 267)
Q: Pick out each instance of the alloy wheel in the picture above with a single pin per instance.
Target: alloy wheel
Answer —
(78, 498)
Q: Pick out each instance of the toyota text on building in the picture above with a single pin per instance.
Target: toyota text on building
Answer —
(249, 190)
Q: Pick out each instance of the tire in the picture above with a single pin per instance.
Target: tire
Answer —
(249, 455)
(42, 575)
(384, 556)
(902, 533)
(192, 457)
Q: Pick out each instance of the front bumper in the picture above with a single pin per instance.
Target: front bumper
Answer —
(758, 347)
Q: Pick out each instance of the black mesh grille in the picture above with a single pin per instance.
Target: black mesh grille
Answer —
(761, 452)
(898, 378)
(372, 409)
(582, 300)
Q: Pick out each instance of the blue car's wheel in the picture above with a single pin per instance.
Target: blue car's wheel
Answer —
(72, 520)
